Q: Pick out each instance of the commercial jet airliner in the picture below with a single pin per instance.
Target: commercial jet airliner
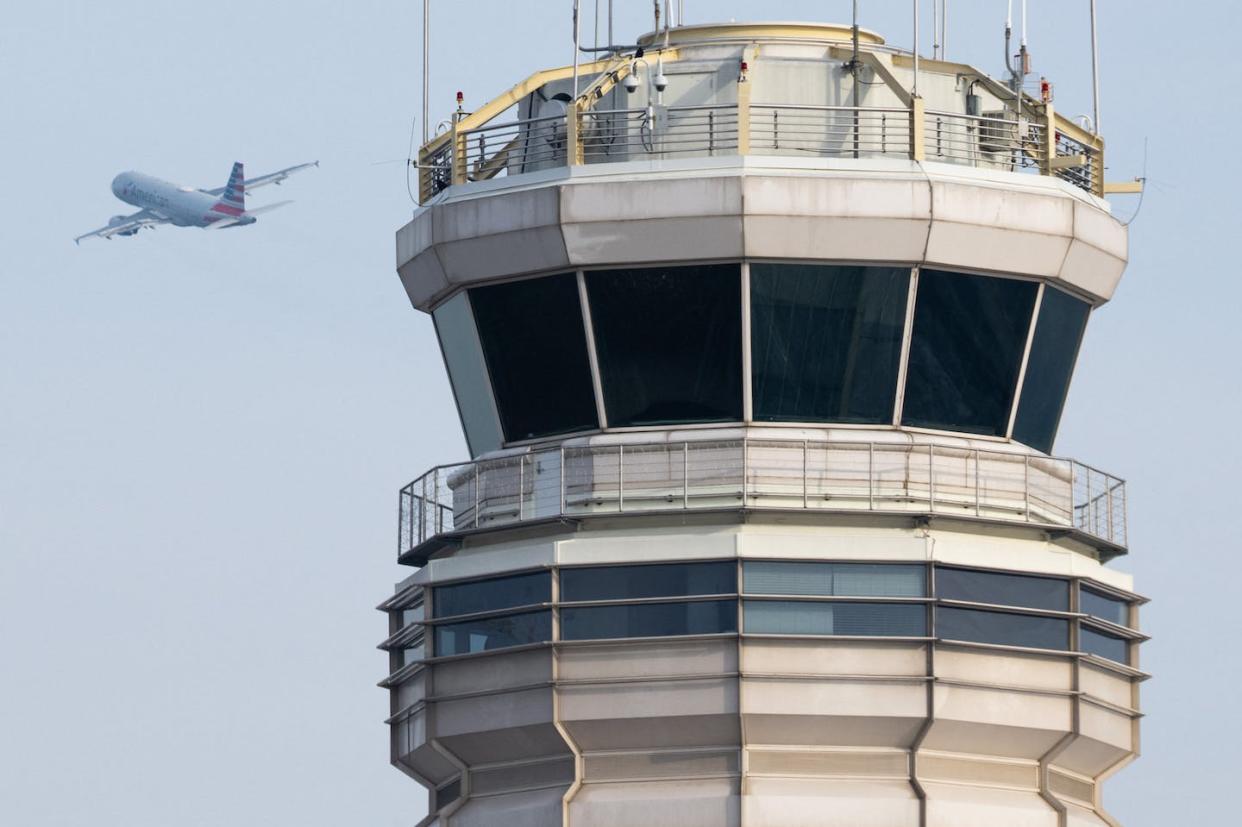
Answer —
(160, 202)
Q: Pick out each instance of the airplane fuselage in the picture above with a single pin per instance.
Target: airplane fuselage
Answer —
(183, 206)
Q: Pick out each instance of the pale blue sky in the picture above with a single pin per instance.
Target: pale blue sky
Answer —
(202, 434)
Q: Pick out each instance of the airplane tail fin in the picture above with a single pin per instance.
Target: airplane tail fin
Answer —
(234, 197)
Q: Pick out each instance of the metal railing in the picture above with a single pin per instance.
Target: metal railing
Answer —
(477, 149)
(990, 141)
(659, 132)
(1088, 175)
(829, 131)
(767, 474)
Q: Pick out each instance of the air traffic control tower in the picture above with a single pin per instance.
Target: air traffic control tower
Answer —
(760, 341)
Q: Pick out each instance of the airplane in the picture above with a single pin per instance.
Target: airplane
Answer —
(161, 202)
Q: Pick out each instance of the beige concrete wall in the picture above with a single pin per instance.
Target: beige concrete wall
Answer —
(771, 730)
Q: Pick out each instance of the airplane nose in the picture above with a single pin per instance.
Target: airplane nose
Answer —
(118, 184)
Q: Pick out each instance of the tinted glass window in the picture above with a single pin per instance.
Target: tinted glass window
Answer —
(1058, 333)
(1104, 645)
(844, 579)
(413, 653)
(447, 794)
(535, 344)
(805, 617)
(489, 633)
(1002, 589)
(634, 582)
(965, 351)
(826, 341)
(669, 342)
(463, 357)
(649, 620)
(1112, 609)
(493, 594)
(1001, 628)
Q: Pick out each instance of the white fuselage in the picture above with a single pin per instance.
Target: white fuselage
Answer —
(183, 206)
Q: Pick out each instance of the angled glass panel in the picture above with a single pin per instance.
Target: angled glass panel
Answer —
(1097, 604)
(806, 617)
(1001, 628)
(492, 594)
(965, 351)
(535, 344)
(467, 370)
(1058, 335)
(1002, 589)
(636, 582)
(1104, 645)
(648, 620)
(826, 341)
(413, 653)
(669, 342)
(841, 579)
(485, 634)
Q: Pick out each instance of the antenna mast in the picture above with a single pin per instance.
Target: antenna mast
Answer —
(1095, 74)
(426, 64)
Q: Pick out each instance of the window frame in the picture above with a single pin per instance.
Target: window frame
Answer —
(1074, 618)
(744, 264)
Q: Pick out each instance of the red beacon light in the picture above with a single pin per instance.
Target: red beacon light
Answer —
(744, 68)
(1045, 90)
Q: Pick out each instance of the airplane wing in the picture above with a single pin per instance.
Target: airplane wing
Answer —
(270, 178)
(126, 225)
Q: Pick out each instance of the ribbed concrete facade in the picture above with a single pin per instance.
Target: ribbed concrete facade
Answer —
(764, 729)
(762, 573)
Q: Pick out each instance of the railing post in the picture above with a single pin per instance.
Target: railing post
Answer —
(918, 125)
(745, 470)
(685, 475)
(521, 487)
(435, 491)
(931, 477)
(477, 498)
(977, 495)
(1026, 486)
(1048, 150)
(575, 154)
(422, 517)
(871, 476)
(620, 478)
(562, 511)
(804, 474)
(1110, 513)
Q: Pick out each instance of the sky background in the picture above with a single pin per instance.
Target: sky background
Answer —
(202, 435)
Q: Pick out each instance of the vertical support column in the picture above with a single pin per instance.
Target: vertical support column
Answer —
(459, 154)
(743, 102)
(575, 156)
(1048, 146)
(748, 397)
(918, 126)
(1026, 359)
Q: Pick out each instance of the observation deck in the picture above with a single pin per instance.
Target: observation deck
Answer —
(760, 103)
(574, 482)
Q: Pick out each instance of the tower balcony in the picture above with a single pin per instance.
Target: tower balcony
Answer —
(777, 90)
(735, 472)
